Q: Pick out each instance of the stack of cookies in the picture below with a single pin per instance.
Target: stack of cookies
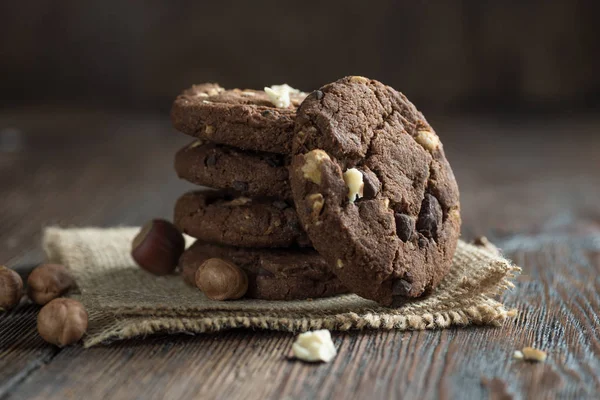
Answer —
(242, 147)
(344, 189)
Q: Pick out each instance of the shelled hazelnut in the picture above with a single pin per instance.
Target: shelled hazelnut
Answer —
(47, 282)
(11, 288)
(62, 322)
(221, 280)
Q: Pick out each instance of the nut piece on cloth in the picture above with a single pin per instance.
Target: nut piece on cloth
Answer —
(47, 282)
(314, 346)
(11, 288)
(221, 280)
(62, 322)
(158, 246)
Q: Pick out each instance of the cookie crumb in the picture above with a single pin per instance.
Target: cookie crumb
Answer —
(279, 95)
(354, 181)
(533, 354)
(314, 346)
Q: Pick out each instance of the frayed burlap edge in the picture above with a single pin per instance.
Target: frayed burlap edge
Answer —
(153, 305)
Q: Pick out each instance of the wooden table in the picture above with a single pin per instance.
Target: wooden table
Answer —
(530, 185)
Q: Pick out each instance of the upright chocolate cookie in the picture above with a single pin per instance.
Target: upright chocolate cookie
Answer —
(373, 189)
(251, 174)
(241, 118)
(217, 218)
(273, 274)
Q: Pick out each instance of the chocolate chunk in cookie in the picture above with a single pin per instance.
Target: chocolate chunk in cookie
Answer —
(252, 174)
(238, 221)
(273, 274)
(373, 189)
(247, 119)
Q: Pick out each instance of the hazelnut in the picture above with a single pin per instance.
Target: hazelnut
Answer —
(157, 247)
(221, 280)
(62, 322)
(11, 288)
(47, 282)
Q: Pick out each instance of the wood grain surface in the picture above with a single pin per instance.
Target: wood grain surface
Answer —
(535, 192)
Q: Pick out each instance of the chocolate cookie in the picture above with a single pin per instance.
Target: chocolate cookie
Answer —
(251, 174)
(246, 119)
(218, 218)
(273, 274)
(373, 189)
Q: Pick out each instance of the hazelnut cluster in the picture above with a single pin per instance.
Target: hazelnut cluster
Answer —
(61, 321)
(158, 247)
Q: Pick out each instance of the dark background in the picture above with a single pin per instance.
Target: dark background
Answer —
(447, 56)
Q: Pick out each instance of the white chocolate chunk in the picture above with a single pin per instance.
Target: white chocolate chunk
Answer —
(314, 346)
(279, 95)
(354, 181)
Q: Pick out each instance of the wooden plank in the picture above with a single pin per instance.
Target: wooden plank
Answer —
(22, 351)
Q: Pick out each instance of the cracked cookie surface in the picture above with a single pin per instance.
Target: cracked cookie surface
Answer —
(252, 174)
(246, 119)
(273, 274)
(216, 217)
(389, 232)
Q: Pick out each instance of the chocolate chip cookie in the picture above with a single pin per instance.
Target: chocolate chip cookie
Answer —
(246, 119)
(252, 174)
(216, 217)
(273, 274)
(374, 190)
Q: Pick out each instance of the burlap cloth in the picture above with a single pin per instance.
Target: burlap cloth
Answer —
(124, 301)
